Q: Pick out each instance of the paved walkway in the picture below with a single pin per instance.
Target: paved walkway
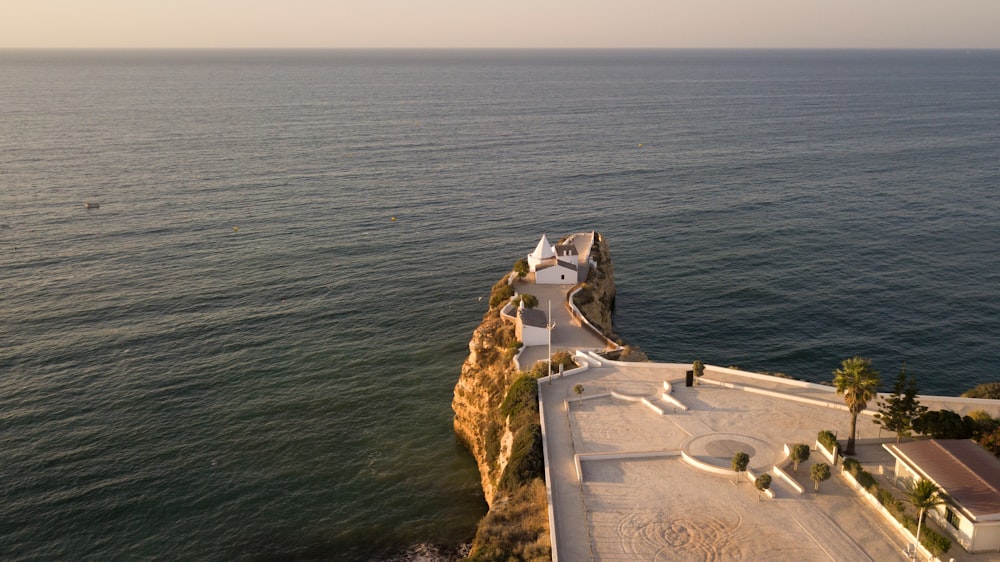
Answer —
(568, 335)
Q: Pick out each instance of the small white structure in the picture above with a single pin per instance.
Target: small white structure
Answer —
(555, 265)
(531, 327)
(544, 252)
(970, 476)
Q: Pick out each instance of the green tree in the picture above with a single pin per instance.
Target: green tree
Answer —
(943, 424)
(991, 442)
(521, 268)
(819, 472)
(578, 389)
(982, 424)
(698, 367)
(530, 301)
(798, 453)
(858, 382)
(922, 495)
(762, 483)
(739, 463)
(897, 412)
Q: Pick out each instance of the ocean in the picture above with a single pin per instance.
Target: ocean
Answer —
(247, 352)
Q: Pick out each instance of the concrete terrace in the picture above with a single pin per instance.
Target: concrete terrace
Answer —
(638, 465)
(621, 489)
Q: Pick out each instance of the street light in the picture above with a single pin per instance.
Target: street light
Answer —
(549, 326)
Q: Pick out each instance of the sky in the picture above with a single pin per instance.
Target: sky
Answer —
(958, 24)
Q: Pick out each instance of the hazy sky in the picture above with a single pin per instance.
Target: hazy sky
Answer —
(507, 23)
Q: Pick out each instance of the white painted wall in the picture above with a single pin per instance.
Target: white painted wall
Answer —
(556, 275)
(532, 335)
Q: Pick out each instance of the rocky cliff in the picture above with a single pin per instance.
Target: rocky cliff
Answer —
(496, 417)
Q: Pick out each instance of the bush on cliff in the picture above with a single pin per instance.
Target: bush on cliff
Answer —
(501, 294)
(522, 396)
(985, 390)
(517, 531)
(526, 461)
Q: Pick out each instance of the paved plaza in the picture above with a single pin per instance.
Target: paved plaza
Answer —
(653, 505)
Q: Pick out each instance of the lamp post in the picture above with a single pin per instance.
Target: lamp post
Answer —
(549, 325)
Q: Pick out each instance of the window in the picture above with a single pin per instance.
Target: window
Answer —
(952, 518)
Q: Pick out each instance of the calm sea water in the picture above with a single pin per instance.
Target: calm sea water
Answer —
(241, 356)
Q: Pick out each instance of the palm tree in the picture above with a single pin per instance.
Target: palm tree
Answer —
(924, 494)
(858, 382)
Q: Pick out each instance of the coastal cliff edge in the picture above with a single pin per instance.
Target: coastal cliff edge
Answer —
(496, 418)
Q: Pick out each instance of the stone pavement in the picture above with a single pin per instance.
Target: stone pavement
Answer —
(655, 506)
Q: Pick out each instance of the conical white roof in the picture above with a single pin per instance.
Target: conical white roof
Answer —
(543, 250)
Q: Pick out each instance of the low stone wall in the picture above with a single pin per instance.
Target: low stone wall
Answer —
(704, 466)
(548, 478)
(575, 313)
(667, 397)
(780, 472)
(580, 457)
(831, 458)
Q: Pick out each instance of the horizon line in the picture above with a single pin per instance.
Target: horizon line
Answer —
(265, 48)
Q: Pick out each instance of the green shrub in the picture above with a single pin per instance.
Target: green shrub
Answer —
(515, 530)
(935, 542)
(909, 522)
(563, 358)
(522, 268)
(985, 390)
(522, 396)
(866, 480)
(526, 460)
(828, 440)
(492, 441)
(501, 294)
(852, 466)
(584, 297)
(512, 349)
(892, 505)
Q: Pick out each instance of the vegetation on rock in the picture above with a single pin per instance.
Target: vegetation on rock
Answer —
(986, 390)
(517, 533)
(496, 418)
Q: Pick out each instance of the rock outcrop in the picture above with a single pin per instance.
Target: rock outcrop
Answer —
(496, 417)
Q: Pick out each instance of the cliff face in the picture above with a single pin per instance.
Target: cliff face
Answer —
(486, 375)
(596, 300)
(496, 417)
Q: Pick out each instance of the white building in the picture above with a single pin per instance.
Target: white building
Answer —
(531, 327)
(969, 474)
(555, 265)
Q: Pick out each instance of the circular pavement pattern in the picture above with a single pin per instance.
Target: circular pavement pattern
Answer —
(718, 449)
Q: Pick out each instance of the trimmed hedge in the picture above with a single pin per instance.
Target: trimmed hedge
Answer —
(828, 440)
